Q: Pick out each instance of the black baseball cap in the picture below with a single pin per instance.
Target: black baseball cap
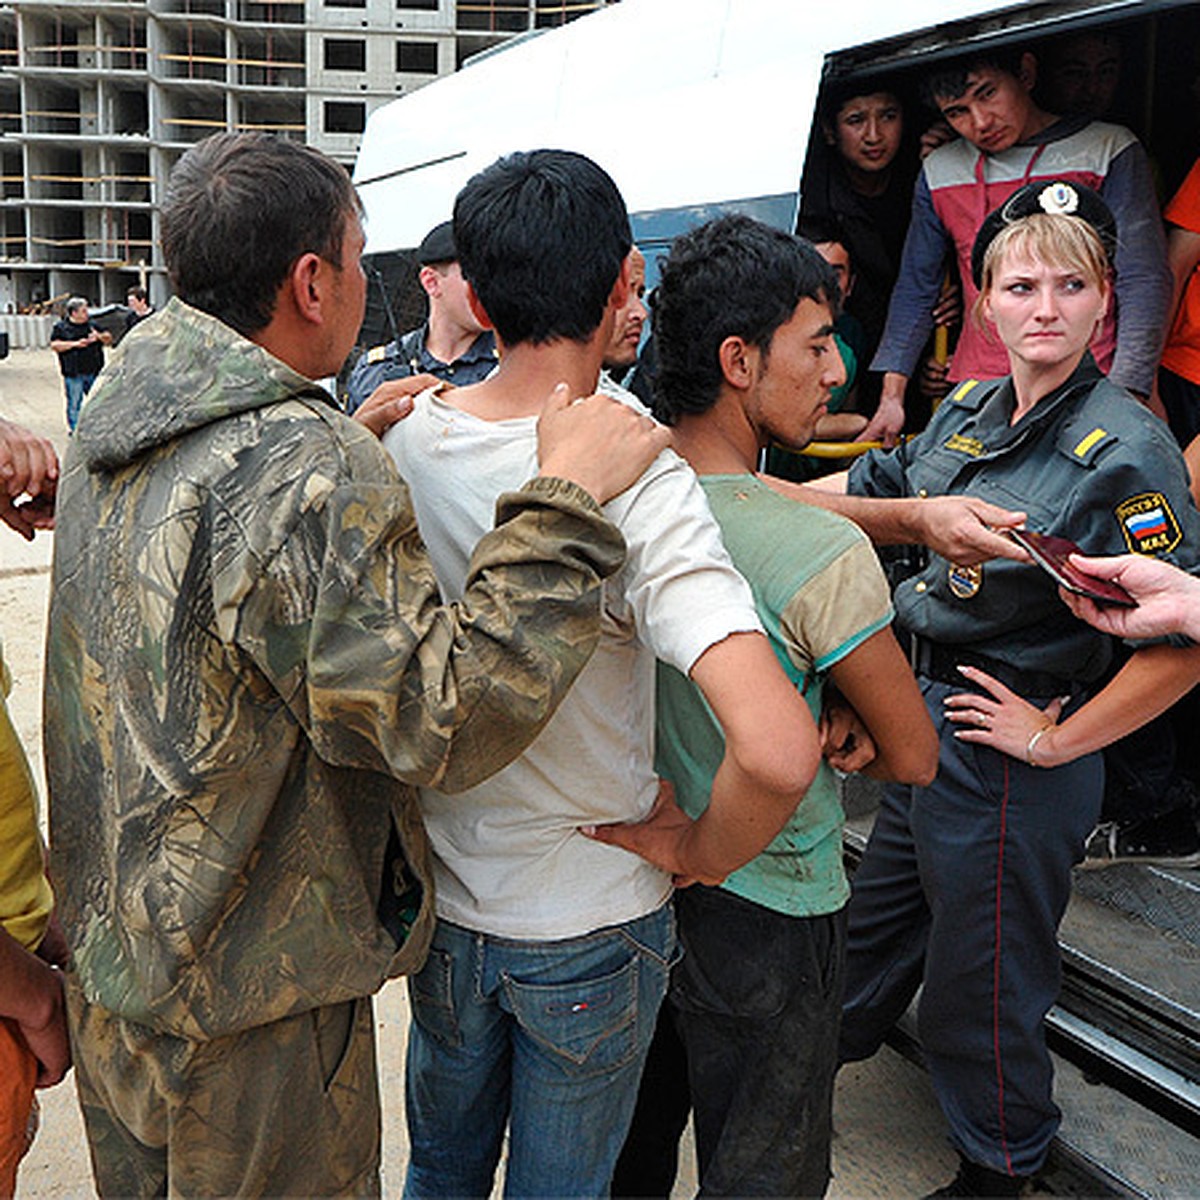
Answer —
(437, 246)
(1057, 197)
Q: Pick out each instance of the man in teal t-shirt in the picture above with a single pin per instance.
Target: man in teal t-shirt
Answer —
(744, 321)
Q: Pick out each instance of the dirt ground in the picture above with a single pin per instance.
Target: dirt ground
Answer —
(889, 1139)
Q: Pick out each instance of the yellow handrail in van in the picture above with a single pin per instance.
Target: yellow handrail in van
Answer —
(843, 449)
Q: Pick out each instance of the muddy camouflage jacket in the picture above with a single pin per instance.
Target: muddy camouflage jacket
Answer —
(248, 669)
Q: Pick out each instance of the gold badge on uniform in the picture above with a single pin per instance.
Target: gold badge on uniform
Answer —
(965, 445)
(965, 582)
(1148, 524)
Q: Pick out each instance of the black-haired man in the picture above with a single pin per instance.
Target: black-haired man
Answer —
(551, 953)
(744, 317)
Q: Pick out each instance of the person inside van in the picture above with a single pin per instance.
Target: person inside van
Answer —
(987, 100)
(1081, 73)
(863, 180)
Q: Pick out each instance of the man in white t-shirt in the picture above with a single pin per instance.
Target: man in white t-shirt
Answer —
(550, 959)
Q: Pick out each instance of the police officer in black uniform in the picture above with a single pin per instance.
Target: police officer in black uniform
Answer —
(964, 882)
(451, 345)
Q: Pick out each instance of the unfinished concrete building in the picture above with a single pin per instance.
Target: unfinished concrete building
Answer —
(99, 99)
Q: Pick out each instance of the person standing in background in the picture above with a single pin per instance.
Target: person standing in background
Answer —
(80, 348)
(138, 301)
(622, 350)
(1006, 141)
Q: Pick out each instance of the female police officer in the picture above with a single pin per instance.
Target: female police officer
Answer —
(964, 882)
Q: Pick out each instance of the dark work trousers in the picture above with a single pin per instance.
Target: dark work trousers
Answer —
(962, 889)
(756, 999)
(649, 1160)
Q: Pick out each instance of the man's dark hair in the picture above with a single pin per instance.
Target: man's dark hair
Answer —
(240, 209)
(138, 293)
(949, 81)
(820, 227)
(734, 277)
(541, 237)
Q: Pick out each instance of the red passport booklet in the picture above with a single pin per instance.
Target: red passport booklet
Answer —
(1051, 554)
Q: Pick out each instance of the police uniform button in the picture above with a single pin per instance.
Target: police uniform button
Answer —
(924, 495)
(921, 586)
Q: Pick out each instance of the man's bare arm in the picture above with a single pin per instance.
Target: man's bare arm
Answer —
(888, 421)
(962, 529)
(876, 681)
(771, 756)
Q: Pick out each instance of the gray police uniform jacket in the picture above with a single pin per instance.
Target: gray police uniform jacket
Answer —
(408, 356)
(248, 670)
(1088, 463)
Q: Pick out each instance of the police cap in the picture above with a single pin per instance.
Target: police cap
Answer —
(437, 246)
(1056, 197)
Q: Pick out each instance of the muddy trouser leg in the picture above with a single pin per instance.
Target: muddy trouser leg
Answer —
(289, 1108)
(758, 998)
(649, 1160)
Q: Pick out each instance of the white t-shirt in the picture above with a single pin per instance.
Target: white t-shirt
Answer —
(509, 859)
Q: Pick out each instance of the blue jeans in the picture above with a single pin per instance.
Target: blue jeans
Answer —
(548, 1037)
(77, 387)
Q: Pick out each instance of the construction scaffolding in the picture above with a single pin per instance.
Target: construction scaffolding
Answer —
(99, 100)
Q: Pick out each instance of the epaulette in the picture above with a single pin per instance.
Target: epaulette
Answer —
(970, 394)
(1084, 449)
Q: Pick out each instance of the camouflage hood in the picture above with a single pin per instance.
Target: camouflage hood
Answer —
(188, 370)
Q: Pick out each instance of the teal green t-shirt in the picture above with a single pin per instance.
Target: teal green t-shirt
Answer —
(820, 594)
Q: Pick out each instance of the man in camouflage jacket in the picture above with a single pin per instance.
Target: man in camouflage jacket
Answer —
(248, 669)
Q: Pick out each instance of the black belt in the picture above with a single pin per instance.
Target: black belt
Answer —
(941, 663)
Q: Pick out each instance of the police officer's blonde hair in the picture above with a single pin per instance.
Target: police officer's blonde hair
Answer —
(1062, 241)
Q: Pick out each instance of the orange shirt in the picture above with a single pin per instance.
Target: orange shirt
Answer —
(1182, 354)
(18, 1070)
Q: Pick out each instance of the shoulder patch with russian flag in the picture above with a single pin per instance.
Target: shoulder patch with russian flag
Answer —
(1148, 524)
